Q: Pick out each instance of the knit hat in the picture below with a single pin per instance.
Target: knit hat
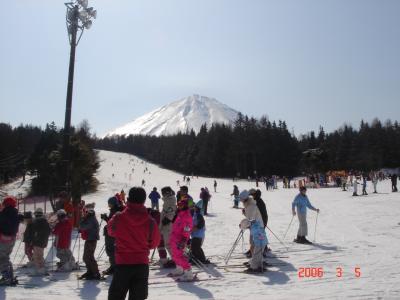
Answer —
(244, 195)
(38, 212)
(166, 191)
(10, 201)
(113, 201)
(137, 195)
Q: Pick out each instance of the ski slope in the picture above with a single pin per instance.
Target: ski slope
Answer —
(360, 232)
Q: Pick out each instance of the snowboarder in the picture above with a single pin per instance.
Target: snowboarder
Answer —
(235, 195)
(301, 202)
(135, 233)
(205, 196)
(180, 234)
(253, 216)
(9, 224)
(62, 231)
(109, 242)
(28, 238)
(167, 216)
(89, 228)
(198, 234)
(154, 197)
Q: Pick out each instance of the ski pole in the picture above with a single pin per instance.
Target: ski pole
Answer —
(228, 256)
(152, 255)
(288, 228)
(76, 238)
(315, 230)
(287, 248)
(101, 252)
(52, 252)
(16, 253)
(200, 265)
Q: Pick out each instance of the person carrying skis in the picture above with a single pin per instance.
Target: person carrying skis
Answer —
(154, 197)
(167, 216)
(235, 195)
(135, 233)
(198, 234)
(28, 238)
(41, 232)
(180, 234)
(62, 231)
(205, 196)
(301, 202)
(255, 223)
(89, 229)
(9, 224)
(109, 242)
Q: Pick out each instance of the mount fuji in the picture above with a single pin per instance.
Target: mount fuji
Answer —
(179, 116)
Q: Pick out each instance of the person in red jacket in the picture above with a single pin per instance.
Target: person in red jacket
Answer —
(135, 233)
(63, 230)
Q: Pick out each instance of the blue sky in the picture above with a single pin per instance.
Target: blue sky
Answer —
(310, 63)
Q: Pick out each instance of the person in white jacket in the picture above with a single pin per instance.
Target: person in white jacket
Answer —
(166, 218)
(252, 213)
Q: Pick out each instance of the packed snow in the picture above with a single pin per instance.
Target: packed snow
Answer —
(351, 232)
(179, 116)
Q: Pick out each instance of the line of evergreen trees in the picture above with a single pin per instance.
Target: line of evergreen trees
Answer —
(31, 149)
(258, 147)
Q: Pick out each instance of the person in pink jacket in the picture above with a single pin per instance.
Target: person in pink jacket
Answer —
(180, 234)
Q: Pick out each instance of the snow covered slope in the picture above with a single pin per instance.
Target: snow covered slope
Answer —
(360, 232)
(187, 113)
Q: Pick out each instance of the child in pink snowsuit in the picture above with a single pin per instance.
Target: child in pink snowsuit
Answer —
(180, 234)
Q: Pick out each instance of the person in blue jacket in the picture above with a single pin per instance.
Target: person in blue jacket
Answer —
(198, 234)
(154, 196)
(301, 202)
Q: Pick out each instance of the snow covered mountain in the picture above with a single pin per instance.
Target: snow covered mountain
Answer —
(187, 113)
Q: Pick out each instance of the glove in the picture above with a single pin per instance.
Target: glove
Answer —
(165, 221)
(104, 217)
(181, 245)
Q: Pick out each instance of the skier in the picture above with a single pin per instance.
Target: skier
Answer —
(236, 198)
(355, 186)
(301, 202)
(375, 181)
(41, 232)
(253, 217)
(62, 231)
(205, 196)
(167, 216)
(154, 197)
(344, 183)
(143, 182)
(180, 234)
(184, 193)
(364, 185)
(256, 194)
(9, 224)
(28, 238)
(89, 228)
(198, 234)
(109, 242)
(135, 233)
(215, 186)
(393, 178)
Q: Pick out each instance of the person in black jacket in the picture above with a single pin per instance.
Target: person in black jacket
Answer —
(28, 238)
(393, 178)
(9, 224)
(41, 232)
(109, 241)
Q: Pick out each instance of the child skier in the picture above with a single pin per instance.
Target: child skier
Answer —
(9, 224)
(301, 202)
(41, 232)
(89, 228)
(62, 231)
(198, 234)
(28, 238)
(154, 196)
(180, 235)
